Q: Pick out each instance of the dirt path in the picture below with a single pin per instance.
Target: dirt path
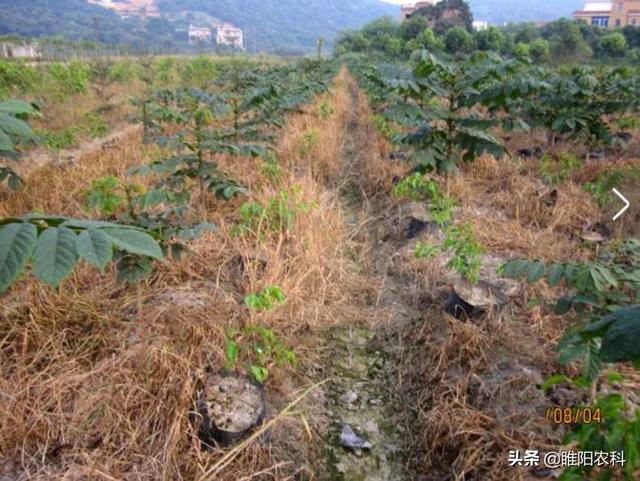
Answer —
(366, 393)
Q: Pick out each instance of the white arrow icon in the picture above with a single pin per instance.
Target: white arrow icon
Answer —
(626, 202)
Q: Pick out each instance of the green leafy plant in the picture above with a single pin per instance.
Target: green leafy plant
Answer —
(612, 178)
(554, 171)
(107, 195)
(63, 139)
(383, 126)
(605, 290)
(308, 142)
(425, 251)
(68, 78)
(444, 133)
(324, 109)
(199, 72)
(263, 349)
(265, 300)
(194, 144)
(277, 214)
(577, 104)
(54, 245)
(619, 432)
(95, 125)
(466, 251)
(101, 81)
(628, 123)
(270, 168)
(418, 187)
(14, 130)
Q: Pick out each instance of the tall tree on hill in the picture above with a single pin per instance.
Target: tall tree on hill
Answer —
(447, 14)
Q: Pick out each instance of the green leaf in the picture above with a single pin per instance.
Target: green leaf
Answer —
(17, 241)
(95, 247)
(14, 181)
(621, 342)
(134, 242)
(603, 278)
(232, 353)
(553, 380)
(516, 269)
(17, 107)
(14, 126)
(260, 374)
(592, 364)
(55, 255)
(554, 274)
(563, 305)
(536, 271)
(614, 377)
(6, 144)
(131, 268)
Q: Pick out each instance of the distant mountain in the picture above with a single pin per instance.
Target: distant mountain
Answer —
(72, 19)
(268, 24)
(497, 12)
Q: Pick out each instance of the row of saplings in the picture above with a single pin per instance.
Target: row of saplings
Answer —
(443, 113)
(237, 116)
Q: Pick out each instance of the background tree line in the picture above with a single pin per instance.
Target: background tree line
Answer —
(447, 28)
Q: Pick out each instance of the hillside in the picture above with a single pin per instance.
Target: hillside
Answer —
(498, 12)
(287, 23)
(269, 25)
(71, 19)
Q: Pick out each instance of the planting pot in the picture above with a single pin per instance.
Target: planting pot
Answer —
(536, 152)
(597, 232)
(467, 301)
(231, 406)
(457, 307)
(414, 220)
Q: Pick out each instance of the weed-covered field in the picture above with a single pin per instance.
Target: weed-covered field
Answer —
(406, 269)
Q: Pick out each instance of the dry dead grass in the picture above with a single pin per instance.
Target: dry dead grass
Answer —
(514, 213)
(91, 389)
(59, 115)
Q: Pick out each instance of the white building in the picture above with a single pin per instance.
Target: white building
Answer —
(480, 25)
(198, 34)
(20, 50)
(230, 35)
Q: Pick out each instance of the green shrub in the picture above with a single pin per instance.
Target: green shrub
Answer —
(458, 40)
(607, 181)
(96, 126)
(60, 140)
(68, 79)
(555, 171)
(261, 346)
(466, 250)
(308, 142)
(122, 71)
(199, 72)
(16, 78)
